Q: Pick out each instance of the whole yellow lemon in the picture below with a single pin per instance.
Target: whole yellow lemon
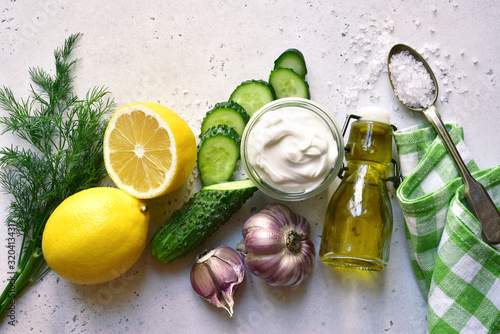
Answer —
(95, 235)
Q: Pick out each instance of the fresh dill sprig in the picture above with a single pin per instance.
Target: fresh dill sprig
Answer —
(65, 156)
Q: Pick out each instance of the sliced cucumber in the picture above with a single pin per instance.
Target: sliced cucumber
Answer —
(287, 83)
(252, 95)
(218, 154)
(229, 113)
(294, 60)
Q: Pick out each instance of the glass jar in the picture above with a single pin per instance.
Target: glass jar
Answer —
(292, 149)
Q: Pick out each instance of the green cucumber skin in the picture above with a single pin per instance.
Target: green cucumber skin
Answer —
(196, 220)
(294, 60)
(220, 130)
(299, 85)
(223, 105)
(264, 86)
(203, 164)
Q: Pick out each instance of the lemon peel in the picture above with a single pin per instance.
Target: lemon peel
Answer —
(95, 235)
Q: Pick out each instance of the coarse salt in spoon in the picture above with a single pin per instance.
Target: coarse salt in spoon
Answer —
(415, 86)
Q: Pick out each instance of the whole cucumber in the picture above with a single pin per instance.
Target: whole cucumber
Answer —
(199, 218)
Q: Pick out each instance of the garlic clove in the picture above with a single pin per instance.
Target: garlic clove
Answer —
(289, 271)
(224, 275)
(231, 258)
(264, 241)
(293, 269)
(263, 266)
(265, 219)
(216, 275)
(203, 283)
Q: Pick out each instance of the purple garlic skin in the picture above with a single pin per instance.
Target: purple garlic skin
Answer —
(276, 245)
(216, 275)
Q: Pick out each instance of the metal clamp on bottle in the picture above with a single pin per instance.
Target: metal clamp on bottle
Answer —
(397, 177)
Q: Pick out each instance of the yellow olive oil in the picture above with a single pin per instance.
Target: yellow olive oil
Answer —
(358, 221)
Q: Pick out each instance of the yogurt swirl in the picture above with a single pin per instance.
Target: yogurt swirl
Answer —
(292, 149)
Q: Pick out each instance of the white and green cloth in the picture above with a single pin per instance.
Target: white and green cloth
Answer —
(457, 272)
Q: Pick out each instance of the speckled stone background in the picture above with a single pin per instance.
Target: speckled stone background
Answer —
(190, 55)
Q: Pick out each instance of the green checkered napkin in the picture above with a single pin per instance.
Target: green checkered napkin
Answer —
(458, 273)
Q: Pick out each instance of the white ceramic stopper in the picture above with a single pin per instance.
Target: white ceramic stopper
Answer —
(375, 114)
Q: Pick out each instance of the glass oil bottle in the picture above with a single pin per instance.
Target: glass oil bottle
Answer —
(358, 221)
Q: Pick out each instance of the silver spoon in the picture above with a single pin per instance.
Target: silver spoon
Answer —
(480, 203)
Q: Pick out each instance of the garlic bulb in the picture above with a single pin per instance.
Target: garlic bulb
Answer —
(276, 245)
(216, 275)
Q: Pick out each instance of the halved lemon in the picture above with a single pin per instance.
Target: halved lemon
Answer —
(149, 150)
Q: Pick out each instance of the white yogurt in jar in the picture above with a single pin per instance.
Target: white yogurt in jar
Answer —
(292, 149)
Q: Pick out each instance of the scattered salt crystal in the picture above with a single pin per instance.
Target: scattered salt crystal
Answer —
(433, 49)
(185, 91)
(412, 82)
(474, 60)
(367, 53)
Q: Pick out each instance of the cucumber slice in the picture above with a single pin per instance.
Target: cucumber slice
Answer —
(287, 83)
(218, 154)
(252, 95)
(292, 59)
(229, 113)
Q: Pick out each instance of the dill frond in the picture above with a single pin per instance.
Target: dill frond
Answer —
(66, 156)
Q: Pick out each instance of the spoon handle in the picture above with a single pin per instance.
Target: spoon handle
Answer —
(480, 203)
